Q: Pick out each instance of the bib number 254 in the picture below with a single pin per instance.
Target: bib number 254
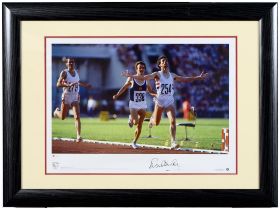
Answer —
(166, 89)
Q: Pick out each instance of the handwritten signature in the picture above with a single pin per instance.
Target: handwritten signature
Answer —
(158, 163)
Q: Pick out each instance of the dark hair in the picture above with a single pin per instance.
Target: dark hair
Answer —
(159, 58)
(139, 62)
(65, 60)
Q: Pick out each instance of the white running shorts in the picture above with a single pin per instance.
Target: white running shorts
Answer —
(69, 98)
(164, 102)
(137, 105)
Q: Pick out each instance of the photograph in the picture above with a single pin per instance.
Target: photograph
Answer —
(172, 99)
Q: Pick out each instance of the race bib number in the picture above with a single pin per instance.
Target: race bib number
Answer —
(139, 96)
(166, 89)
(73, 88)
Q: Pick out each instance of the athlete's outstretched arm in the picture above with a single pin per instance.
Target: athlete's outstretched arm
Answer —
(139, 77)
(123, 88)
(177, 78)
(86, 85)
(150, 90)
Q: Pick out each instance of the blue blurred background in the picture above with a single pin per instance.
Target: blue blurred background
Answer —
(101, 65)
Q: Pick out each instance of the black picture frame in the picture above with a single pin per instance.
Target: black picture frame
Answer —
(264, 13)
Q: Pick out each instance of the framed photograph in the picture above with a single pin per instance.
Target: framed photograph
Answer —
(153, 104)
(116, 152)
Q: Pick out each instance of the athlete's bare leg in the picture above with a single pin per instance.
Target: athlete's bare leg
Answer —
(138, 129)
(156, 116)
(76, 110)
(134, 116)
(62, 113)
(170, 111)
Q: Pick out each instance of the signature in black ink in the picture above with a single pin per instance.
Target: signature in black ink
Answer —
(157, 163)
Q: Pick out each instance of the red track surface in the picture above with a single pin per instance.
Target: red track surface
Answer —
(59, 146)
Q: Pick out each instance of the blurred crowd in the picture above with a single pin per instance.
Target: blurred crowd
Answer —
(210, 97)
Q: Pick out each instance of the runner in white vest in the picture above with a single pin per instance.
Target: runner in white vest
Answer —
(165, 89)
(69, 80)
(164, 101)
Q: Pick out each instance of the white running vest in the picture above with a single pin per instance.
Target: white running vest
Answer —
(70, 79)
(165, 85)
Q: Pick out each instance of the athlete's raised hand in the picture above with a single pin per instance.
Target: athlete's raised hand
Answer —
(126, 73)
(203, 75)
